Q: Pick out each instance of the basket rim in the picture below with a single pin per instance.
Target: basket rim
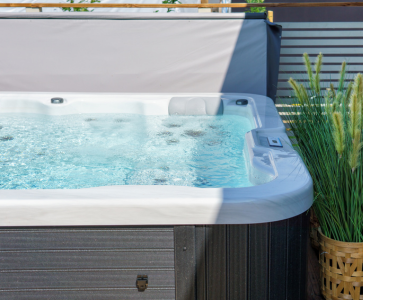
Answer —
(339, 243)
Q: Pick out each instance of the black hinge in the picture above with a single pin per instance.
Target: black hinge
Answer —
(142, 282)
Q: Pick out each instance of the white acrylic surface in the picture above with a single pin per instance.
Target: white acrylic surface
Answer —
(290, 192)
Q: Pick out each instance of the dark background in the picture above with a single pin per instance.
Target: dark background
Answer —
(312, 14)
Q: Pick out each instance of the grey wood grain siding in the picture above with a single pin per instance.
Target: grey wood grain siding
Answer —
(249, 262)
(84, 278)
(79, 238)
(257, 261)
(85, 259)
(88, 294)
(86, 263)
(297, 233)
(201, 271)
(238, 245)
(278, 260)
(338, 42)
(185, 262)
(217, 262)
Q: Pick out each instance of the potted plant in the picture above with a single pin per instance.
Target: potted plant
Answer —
(79, 9)
(327, 127)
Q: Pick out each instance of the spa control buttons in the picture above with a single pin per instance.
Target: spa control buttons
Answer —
(274, 142)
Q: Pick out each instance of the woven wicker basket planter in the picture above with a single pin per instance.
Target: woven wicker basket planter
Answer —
(341, 269)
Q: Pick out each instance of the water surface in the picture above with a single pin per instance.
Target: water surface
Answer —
(90, 150)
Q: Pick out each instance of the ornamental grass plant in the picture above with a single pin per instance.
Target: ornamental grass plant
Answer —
(328, 127)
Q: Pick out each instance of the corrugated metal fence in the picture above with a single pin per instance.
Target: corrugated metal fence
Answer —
(338, 42)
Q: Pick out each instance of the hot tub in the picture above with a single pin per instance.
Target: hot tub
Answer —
(191, 241)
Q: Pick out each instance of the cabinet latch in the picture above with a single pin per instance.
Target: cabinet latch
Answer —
(142, 282)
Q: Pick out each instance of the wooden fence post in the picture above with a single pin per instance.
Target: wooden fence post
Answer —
(204, 10)
(270, 16)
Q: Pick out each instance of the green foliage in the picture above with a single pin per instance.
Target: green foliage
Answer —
(327, 125)
(255, 9)
(171, 2)
(85, 9)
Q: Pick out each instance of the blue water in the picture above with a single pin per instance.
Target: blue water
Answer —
(89, 150)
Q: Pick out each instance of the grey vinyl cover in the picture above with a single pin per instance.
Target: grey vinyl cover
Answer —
(139, 53)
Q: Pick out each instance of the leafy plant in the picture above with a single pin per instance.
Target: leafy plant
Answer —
(171, 2)
(84, 9)
(255, 9)
(328, 127)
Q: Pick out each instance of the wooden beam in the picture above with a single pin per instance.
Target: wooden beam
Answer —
(202, 5)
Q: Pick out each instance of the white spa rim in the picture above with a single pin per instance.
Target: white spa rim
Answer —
(290, 193)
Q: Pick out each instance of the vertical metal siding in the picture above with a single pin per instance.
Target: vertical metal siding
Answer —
(338, 42)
